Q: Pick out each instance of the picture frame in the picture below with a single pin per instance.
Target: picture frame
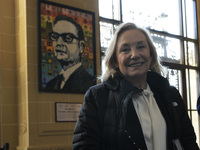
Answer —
(77, 52)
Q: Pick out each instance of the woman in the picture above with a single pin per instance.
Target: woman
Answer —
(134, 108)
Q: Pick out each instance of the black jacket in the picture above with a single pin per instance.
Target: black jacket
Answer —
(108, 121)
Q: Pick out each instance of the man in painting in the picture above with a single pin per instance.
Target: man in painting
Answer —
(68, 43)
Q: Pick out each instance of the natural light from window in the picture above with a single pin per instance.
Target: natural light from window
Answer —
(158, 14)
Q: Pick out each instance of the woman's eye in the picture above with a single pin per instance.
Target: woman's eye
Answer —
(125, 49)
(141, 46)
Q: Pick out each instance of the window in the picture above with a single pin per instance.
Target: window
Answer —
(173, 26)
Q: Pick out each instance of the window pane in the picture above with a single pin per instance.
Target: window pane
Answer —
(195, 123)
(192, 88)
(116, 5)
(191, 56)
(191, 19)
(109, 9)
(154, 14)
(174, 77)
(106, 33)
(169, 49)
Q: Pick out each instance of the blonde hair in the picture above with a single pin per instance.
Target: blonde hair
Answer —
(110, 57)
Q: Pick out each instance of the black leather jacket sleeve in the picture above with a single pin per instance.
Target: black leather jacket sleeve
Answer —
(187, 134)
(87, 132)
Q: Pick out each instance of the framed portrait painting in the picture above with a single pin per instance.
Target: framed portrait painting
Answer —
(67, 62)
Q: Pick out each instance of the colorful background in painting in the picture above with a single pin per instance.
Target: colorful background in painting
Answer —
(50, 67)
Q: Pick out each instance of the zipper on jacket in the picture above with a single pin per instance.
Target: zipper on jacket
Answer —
(119, 114)
(132, 141)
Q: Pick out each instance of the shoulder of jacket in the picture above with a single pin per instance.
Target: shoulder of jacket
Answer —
(97, 91)
(157, 82)
(173, 92)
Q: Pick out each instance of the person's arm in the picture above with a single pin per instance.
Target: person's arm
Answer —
(87, 132)
(187, 137)
(198, 105)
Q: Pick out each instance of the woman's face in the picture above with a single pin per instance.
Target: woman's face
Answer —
(133, 55)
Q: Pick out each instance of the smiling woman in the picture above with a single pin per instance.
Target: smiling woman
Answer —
(173, 27)
(133, 57)
(144, 39)
(134, 108)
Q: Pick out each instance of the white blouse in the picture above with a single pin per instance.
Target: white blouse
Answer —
(151, 120)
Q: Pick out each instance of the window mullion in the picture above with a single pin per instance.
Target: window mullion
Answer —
(120, 5)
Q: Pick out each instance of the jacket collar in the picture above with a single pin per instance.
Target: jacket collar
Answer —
(157, 82)
(153, 79)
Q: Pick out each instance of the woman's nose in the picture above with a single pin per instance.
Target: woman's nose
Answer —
(134, 54)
